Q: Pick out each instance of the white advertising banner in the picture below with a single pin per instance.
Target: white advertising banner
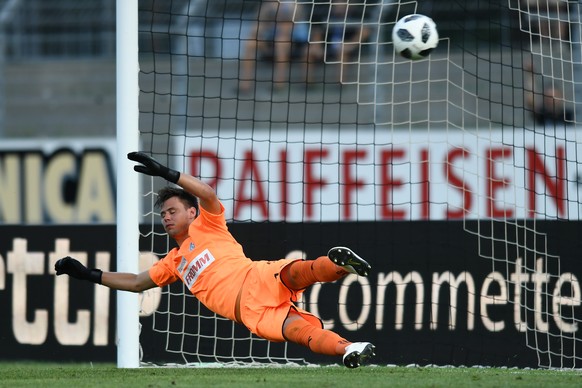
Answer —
(376, 175)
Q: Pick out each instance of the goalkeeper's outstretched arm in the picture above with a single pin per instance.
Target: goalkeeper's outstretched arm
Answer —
(205, 194)
(128, 281)
(115, 280)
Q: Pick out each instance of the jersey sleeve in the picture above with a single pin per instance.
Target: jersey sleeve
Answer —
(162, 272)
(215, 220)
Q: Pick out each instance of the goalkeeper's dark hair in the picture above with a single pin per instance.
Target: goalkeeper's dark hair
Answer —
(185, 197)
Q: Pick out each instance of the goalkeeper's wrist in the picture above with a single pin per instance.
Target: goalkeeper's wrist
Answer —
(94, 275)
(172, 175)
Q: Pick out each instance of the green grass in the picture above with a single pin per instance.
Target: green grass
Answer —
(46, 375)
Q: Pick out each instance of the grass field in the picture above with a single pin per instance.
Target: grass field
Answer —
(46, 375)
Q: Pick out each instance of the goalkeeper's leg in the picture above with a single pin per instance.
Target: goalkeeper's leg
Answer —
(339, 262)
(304, 273)
(298, 330)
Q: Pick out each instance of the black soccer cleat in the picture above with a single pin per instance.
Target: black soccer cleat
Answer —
(346, 258)
(358, 353)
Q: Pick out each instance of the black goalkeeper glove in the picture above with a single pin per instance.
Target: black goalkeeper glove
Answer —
(68, 265)
(151, 167)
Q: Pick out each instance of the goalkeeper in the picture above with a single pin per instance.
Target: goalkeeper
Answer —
(213, 266)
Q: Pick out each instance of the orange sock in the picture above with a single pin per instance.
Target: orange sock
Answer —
(318, 340)
(302, 274)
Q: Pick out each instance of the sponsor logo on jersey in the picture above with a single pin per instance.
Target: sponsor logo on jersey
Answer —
(183, 263)
(196, 266)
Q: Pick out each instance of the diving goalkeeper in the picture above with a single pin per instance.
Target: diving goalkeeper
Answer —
(213, 266)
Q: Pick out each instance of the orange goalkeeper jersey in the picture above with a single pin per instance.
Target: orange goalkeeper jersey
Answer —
(210, 262)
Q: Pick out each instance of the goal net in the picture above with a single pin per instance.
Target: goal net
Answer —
(314, 133)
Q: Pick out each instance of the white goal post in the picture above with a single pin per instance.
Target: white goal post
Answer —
(127, 337)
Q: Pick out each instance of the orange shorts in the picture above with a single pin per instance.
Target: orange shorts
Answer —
(265, 301)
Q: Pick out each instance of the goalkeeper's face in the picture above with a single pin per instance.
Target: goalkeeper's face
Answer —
(176, 218)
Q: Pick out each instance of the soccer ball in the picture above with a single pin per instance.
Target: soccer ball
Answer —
(415, 36)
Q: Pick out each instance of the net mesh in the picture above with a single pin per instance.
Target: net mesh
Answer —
(318, 127)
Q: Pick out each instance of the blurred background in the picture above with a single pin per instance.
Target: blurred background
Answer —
(57, 57)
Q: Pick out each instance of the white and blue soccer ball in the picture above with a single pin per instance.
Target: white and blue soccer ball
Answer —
(415, 36)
